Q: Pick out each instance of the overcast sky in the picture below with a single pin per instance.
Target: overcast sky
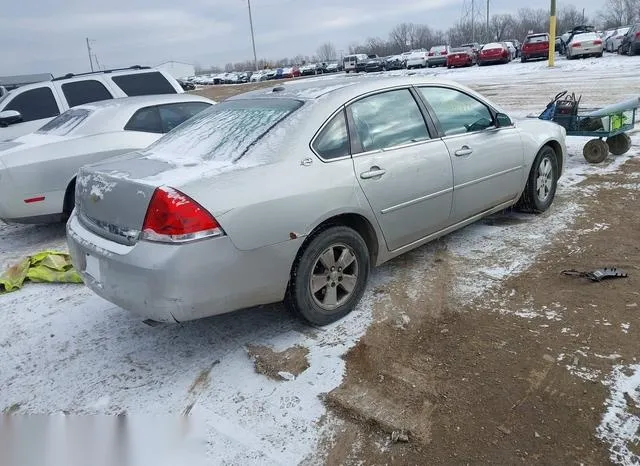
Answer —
(40, 36)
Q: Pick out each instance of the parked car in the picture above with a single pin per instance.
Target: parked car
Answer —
(186, 85)
(417, 59)
(559, 45)
(375, 64)
(333, 68)
(39, 103)
(568, 36)
(38, 171)
(631, 42)
(494, 52)
(613, 42)
(535, 46)
(583, 45)
(517, 45)
(394, 62)
(512, 50)
(438, 55)
(461, 56)
(201, 223)
(291, 72)
(308, 70)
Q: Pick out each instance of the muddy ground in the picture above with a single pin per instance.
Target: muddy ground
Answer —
(512, 377)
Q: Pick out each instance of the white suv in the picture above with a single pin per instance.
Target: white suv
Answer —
(27, 108)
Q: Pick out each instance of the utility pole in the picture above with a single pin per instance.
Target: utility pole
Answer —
(552, 34)
(473, 21)
(89, 52)
(488, 18)
(253, 40)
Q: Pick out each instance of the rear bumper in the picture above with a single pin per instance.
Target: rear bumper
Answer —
(435, 61)
(413, 63)
(460, 62)
(169, 283)
(535, 54)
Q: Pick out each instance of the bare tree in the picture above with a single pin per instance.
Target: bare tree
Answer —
(402, 36)
(568, 18)
(228, 67)
(327, 52)
(620, 12)
(502, 26)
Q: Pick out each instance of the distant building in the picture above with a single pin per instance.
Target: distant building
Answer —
(177, 69)
(12, 82)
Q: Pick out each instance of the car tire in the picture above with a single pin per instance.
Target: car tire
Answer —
(69, 200)
(619, 144)
(320, 258)
(523, 60)
(538, 198)
(595, 151)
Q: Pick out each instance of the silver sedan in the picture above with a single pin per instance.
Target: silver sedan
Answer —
(294, 192)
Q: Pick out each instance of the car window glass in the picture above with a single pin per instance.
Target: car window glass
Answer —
(83, 92)
(146, 120)
(388, 119)
(333, 140)
(173, 115)
(144, 84)
(35, 104)
(457, 112)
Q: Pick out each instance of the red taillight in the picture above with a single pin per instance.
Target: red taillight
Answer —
(576, 44)
(173, 217)
(505, 54)
(597, 42)
(637, 35)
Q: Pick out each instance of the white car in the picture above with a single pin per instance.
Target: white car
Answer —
(614, 41)
(417, 59)
(38, 170)
(512, 50)
(587, 44)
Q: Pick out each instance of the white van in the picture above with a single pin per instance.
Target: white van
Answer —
(351, 62)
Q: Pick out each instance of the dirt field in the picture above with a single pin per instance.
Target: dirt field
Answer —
(476, 384)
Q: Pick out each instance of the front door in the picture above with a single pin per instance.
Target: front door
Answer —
(406, 176)
(488, 162)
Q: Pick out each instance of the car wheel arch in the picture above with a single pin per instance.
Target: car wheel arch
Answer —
(69, 195)
(557, 148)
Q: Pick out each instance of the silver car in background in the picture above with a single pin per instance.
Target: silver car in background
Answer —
(38, 170)
(293, 193)
(587, 44)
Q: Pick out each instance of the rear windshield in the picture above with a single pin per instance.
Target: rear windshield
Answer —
(586, 36)
(493, 45)
(65, 123)
(623, 31)
(225, 132)
(537, 39)
(438, 48)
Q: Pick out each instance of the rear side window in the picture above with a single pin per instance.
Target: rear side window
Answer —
(146, 120)
(65, 123)
(537, 39)
(173, 115)
(35, 104)
(83, 92)
(144, 84)
(458, 113)
(226, 131)
(333, 140)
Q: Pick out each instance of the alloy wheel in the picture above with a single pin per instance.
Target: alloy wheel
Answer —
(334, 276)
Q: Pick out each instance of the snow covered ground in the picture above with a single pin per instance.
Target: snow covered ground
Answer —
(67, 350)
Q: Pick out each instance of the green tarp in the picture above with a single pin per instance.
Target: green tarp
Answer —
(44, 267)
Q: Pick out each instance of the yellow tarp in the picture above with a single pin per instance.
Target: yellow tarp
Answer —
(44, 267)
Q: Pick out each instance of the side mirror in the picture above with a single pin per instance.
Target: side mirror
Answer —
(503, 120)
(9, 117)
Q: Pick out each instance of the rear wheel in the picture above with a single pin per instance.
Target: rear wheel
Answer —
(541, 186)
(595, 151)
(69, 201)
(329, 276)
(523, 59)
(619, 144)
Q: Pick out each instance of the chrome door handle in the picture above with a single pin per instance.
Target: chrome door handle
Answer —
(374, 172)
(464, 150)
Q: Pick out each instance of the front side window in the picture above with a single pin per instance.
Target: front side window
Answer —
(173, 115)
(333, 140)
(65, 123)
(83, 92)
(35, 104)
(146, 120)
(458, 113)
(388, 119)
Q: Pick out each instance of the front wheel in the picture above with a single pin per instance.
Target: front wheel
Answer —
(595, 151)
(541, 186)
(329, 276)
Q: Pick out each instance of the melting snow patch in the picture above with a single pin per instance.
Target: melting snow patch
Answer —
(585, 373)
(625, 327)
(620, 422)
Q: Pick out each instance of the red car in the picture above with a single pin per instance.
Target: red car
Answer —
(293, 72)
(461, 56)
(535, 46)
(495, 52)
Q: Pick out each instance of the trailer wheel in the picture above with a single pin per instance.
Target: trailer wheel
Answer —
(595, 151)
(619, 144)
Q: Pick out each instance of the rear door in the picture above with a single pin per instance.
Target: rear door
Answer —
(405, 174)
(36, 106)
(488, 162)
